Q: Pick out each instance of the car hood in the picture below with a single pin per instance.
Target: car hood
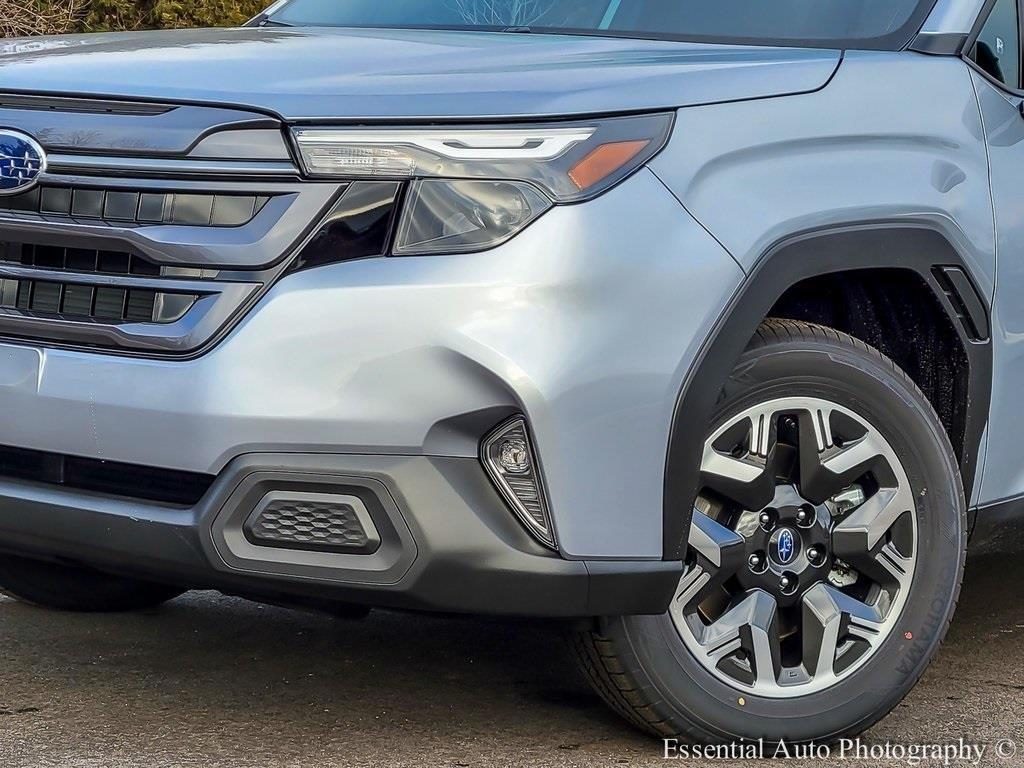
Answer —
(345, 74)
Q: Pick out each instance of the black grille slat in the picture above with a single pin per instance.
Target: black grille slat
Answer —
(46, 298)
(110, 303)
(24, 294)
(8, 293)
(73, 301)
(143, 267)
(120, 207)
(77, 300)
(114, 263)
(28, 201)
(87, 204)
(112, 478)
(140, 305)
(56, 200)
(78, 260)
(48, 257)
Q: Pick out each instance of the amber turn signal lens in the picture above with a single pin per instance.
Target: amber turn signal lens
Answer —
(604, 161)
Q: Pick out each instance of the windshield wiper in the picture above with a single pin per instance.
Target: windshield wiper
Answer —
(518, 30)
(263, 20)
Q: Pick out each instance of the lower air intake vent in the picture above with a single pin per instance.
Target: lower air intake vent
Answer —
(130, 481)
(318, 522)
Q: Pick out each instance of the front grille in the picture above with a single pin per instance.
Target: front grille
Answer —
(125, 206)
(154, 228)
(87, 302)
(73, 300)
(131, 481)
(85, 260)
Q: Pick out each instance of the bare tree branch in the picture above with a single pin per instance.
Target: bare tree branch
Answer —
(23, 18)
(501, 13)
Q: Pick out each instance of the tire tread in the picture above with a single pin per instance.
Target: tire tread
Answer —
(623, 686)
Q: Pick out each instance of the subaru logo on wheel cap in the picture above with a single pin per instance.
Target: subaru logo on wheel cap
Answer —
(22, 161)
(786, 547)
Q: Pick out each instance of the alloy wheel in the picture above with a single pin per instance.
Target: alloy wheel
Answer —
(802, 549)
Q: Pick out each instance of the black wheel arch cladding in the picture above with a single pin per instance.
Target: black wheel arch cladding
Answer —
(914, 245)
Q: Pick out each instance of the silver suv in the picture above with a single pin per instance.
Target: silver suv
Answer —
(695, 324)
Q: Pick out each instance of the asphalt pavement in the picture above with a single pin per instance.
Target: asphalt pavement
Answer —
(212, 681)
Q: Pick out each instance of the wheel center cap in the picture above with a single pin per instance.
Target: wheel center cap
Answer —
(784, 546)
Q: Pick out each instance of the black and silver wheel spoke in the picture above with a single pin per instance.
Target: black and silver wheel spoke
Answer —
(829, 616)
(741, 465)
(718, 552)
(825, 468)
(751, 631)
(802, 557)
(859, 538)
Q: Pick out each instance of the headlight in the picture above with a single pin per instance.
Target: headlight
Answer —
(443, 216)
(474, 188)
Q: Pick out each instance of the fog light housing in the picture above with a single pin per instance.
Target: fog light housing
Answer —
(511, 462)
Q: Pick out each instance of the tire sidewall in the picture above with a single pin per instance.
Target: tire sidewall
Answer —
(869, 385)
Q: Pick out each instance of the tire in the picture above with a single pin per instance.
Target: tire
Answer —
(653, 670)
(67, 588)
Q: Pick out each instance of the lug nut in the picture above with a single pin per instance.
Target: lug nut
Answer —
(806, 516)
(767, 520)
(756, 562)
(787, 583)
(815, 555)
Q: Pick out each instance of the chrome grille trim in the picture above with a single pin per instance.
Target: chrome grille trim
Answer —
(150, 166)
(163, 284)
(204, 319)
(271, 235)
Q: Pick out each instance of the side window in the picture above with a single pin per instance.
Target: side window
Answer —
(997, 51)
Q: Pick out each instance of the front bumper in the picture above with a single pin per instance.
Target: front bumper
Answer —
(448, 542)
(587, 323)
(386, 373)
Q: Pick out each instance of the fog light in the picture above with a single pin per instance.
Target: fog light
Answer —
(514, 457)
(508, 456)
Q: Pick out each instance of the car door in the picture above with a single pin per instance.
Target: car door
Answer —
(995, 57)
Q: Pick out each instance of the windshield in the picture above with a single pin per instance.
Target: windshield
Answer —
(831, 23)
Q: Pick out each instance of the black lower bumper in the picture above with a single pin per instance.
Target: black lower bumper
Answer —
(447, 541)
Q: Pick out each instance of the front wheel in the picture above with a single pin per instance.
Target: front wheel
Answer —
(826, 555)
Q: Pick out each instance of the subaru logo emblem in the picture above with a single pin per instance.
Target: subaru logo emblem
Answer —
(786, 547)
(22, 161)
